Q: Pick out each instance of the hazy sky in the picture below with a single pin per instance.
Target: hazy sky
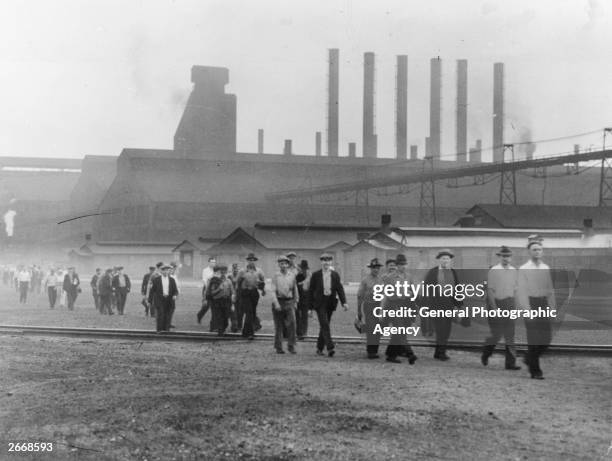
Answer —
(92, 77)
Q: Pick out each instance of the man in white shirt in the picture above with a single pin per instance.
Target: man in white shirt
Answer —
(164, 293)
(23, 279)
(535, 289)
(285, 297)
(207, 274)
(501, 290)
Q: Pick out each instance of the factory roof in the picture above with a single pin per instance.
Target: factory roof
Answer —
(540, 216)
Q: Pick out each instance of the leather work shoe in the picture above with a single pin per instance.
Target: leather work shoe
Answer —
(331, 353)
(373, 356)
(513, 367)
(280, 351)
(537, 376)
(443, 358)
(292, 350)
(393, 360)
(484, 359)
(411, 359)
(319, 351)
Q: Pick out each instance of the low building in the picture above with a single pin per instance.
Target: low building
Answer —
(135, 257)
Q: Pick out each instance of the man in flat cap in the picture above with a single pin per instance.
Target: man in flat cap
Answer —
(366, 305)
(121, 286)
(502, 283)
(324, 291)
(292, 256)
(535, 289)
(164, 291)
(442, 275)
(285, 296)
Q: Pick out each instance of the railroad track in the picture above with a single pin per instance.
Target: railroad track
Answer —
(198, 336)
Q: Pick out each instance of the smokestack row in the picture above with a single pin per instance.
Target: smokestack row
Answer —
(433, 141)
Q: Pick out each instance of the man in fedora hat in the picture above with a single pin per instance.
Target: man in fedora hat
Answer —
(164, 292)
(443, 274)
(366, 305)
(292, 256)
(324, 290)
(220, 294)
(398, 344)
(285, 297)
(501, 291)
(121, 287)
(534, 290)
(303, 281)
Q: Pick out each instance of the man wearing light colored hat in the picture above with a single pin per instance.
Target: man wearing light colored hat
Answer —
(164, 292)
(501, 290)
(536, 290)
(285, 297)
(443, 275)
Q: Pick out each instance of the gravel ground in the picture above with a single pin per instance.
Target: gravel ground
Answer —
(108, 399)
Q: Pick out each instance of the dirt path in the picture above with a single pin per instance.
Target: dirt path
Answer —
(154, 400)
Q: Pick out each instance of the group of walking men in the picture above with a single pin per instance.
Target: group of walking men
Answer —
(294, 290)
(110, 290)
(529, 287)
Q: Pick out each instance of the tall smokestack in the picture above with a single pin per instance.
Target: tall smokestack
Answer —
(352, 149)
(332, 102)
(461, 110)
(435, 107)
(260, 141)
(414, 152)
(498, 111)
(287, 148)
(476, 152)
(427, 146)
(318, 143)
(369, 138)
(401, 107)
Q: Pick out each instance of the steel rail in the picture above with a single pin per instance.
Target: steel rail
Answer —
(198, 336)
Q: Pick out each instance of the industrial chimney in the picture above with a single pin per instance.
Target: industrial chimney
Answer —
(435, 108)
(260, 141)
(332, 102)
(401, 107)
(369, 137)
(461, 145)
(498, 112)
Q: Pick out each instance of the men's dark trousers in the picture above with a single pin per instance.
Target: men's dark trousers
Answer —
(502, 327)
(442, 327)
(284, 319)
(163, 307)
(105, 304)
(121, 299)
(71, 297)
(237, 317)
(203, 310)
(96, 298)
(301, 319)
(220, 314)
(324, 315)
(248, 299)
(23, 291)
(52, 293)
(539, 336)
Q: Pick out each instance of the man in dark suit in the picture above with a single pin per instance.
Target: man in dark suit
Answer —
(121, 286)
(71, 287)
(164, 292)
(443, 274)
(324, 290)
(144, 288)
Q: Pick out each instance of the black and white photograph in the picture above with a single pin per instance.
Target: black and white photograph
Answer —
(306, 230)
